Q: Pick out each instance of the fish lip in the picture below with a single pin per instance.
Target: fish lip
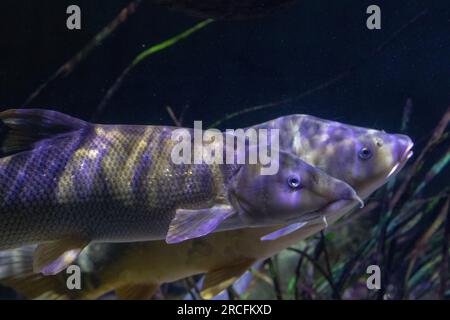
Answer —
(406, 155)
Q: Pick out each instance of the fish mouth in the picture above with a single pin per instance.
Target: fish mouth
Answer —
(408, 152)
(406, 155)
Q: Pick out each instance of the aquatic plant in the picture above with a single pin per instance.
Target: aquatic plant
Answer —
(404, 229)
(144, 55)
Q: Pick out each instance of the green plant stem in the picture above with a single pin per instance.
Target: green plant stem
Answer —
(141, 57)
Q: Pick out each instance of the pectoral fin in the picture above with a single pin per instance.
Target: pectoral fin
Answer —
(284, 231)
(53, 257)
(189, 224)
(137, 291)
(219, 279)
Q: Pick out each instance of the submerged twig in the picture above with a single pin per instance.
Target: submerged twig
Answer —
(407, 110)
(407, 236)
(233, 294)
(274, 275)
(283, 101)
(70, 65)
(336, 294)
(325, 253)
(445, 254)
(433, 172)
(355, 215)
(327, 83)
(297, 276)
(435, 137)
(191, 287)
(178, 121)
(141, 57)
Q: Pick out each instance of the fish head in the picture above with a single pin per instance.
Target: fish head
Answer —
(295, 191)
(362, 157)
(377, 156)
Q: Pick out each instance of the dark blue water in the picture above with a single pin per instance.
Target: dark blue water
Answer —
(232, 65)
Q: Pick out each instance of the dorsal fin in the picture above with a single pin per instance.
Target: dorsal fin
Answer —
(20, 129)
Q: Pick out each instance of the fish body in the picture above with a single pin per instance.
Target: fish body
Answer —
(66, 183)
(102, 182)
(135, 270)
(131, 267)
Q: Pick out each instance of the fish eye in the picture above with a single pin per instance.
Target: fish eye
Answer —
(294, 182)
(365, 153)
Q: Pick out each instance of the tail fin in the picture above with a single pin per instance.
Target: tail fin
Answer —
(16, 272)
(16, 262)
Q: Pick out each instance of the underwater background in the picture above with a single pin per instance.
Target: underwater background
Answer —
(314, 57)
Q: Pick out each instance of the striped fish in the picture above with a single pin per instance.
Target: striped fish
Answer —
(364, 158)
(66, 183)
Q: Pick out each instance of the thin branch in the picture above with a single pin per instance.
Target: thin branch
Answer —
(141, 57)
(233, 294)
(326, 256)
(274, 275)
(336, 294)
(70, 65)
(178, 121)
(369, 207)
(297, 275)
(407, 110)
(445, 258)
(435, 138)
(327, 83)
(116, 85)
(191, 287)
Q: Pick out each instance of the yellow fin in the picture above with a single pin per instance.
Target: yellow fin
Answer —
(39, 287)
(53, 257)
(219, 279)
(137, 291)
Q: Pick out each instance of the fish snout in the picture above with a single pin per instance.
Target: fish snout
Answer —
(345, 192)
(403, 151)
(332, 189)
(404, 147)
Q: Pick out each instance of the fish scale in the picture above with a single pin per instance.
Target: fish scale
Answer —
(68, 183)
(226, 255)
(82, 183)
